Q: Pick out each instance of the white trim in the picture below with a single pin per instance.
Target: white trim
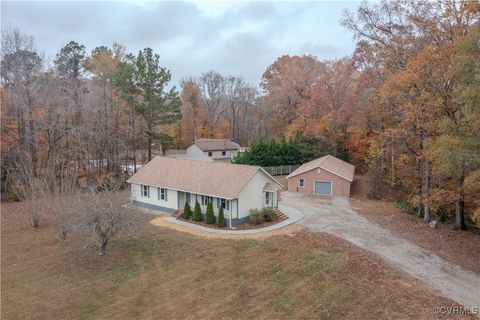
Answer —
(192, 192)
(271, 177)
(335, 174)
(299, 185)
(318, 194)
(216, 195)
(253, 175)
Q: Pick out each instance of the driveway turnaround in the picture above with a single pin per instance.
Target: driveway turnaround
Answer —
(450, 280)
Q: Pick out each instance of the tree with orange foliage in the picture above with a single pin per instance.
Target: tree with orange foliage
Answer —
(287, 84)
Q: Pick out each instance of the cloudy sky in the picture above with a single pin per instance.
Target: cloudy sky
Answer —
(238, 38)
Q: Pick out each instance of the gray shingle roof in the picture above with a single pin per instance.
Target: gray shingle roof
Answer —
(216, 144)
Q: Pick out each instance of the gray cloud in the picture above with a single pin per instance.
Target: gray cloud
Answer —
(243, 39)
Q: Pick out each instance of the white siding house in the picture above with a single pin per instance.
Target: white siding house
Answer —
(165, 184)
(213, 148)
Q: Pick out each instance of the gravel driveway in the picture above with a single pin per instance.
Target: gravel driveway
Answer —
(450, 280)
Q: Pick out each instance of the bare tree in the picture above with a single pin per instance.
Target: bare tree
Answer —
(213, 89)
(29, 188)
(103, 216)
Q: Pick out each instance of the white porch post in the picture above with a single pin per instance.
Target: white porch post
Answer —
(230, 212)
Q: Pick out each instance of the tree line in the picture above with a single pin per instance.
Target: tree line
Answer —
(404, 107)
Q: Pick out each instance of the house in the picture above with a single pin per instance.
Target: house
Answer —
(182, 154)
(214, 148)
(327, 176)
(165, 184)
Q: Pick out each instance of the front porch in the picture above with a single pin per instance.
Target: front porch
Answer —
(230, 207)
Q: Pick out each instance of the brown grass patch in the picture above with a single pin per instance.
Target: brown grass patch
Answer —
(166, 274)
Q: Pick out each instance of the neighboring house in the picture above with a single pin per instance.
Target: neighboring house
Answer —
(182, 154)
(327, 176)
(214, 148)
(165, 184)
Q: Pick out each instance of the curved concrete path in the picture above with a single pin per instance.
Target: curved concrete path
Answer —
(452, 281)
(292, 218)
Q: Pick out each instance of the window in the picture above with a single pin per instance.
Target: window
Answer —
(209, 153)
(225, 204)
(145, 191)
(187, 197)
(267, 197)
(206, 200)
(162, 194)
(301, 183)
(224, 153)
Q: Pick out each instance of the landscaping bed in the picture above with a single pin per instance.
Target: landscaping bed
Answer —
(244, 226)
(259, 218)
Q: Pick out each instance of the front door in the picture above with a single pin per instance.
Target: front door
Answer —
(268, 199)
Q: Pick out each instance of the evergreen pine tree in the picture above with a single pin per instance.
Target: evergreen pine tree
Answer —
(197, 212)
(221, 218)
(187, 212)
(209, 216)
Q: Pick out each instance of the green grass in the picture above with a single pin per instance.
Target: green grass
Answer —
(285, 302)
(319, 261)
(135, 254)
(88, 311)
(279, 275)
(330, 300)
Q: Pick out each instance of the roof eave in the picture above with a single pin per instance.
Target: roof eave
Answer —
(293, 174)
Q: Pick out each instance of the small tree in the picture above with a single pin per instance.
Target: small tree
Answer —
(104, 216)
(221, 218)
(209, 216)
(187, 212)
(197, 213)
(29, 186)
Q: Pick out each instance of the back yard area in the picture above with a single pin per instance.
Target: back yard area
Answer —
(167, 274)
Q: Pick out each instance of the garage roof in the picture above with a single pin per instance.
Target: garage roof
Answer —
(329, 163)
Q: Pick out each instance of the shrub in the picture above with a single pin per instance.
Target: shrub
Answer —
(187, 212)
(268, 214)
(209, 216)
(256, 216)
(197, 212)
(221, 218)
(405, 206)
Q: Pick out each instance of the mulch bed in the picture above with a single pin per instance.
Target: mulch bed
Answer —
(244, 226)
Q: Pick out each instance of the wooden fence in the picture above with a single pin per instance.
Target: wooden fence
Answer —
(281, 170)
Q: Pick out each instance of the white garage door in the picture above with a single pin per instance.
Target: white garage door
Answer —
(323, 188)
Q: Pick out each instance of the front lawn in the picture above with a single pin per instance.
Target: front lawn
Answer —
(165, 274)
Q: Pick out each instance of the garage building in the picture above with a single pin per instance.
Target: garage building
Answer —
(326, 176)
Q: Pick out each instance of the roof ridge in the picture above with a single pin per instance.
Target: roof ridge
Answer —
(207, 162)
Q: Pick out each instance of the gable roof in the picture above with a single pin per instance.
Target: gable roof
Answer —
(329, 163)
(216, 179)
(215, 144)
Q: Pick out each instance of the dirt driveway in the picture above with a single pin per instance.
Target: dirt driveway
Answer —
(338, 219)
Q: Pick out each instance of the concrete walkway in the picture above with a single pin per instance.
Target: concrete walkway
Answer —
(292, 218)
(450, 280)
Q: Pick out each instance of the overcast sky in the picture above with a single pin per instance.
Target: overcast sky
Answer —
(238, 38)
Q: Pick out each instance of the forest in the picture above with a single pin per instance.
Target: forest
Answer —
(404, 108)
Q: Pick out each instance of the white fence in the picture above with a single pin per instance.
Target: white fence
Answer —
(281, 170)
